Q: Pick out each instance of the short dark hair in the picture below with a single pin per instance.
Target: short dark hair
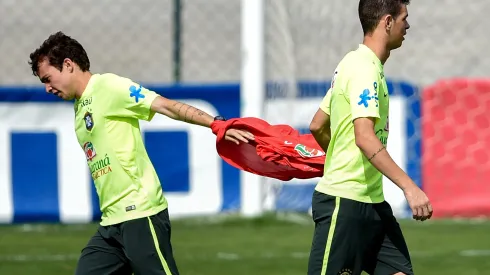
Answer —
(55, 49)
(371, 11)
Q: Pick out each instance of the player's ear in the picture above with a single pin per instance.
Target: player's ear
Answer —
(68, 65)
(388, 20)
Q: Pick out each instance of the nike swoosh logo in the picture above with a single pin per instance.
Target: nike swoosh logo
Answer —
(288, 143)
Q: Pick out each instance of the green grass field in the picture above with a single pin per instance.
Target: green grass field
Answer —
(269, 245)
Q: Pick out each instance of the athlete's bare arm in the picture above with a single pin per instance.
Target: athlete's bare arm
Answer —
(187, 113)
(181, 111)
(376, 153)
(320, 129)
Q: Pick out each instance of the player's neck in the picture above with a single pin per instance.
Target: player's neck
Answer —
(378, 47)
(81, 84)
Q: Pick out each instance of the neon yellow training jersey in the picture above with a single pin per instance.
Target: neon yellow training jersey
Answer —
(358, 90)
(107, 127)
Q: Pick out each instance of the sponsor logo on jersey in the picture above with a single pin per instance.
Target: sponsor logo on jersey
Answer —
(136, 93)
(86, 102)
(308, 152)
(101, 167)
(365, 97)
(89, 150)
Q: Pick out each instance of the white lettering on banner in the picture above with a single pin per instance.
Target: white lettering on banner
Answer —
(74, 192)
(205, 192)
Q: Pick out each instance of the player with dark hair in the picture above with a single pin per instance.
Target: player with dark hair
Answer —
(355, 229)
(134, 234)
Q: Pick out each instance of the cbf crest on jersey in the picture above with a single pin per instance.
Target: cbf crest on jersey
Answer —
(89, 150)
(89, 121)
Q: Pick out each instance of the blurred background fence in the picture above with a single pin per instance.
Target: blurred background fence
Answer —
(304, 40)
(197, 44)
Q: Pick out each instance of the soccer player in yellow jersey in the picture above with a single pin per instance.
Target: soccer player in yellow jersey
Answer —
(134, 234)
(355, 228)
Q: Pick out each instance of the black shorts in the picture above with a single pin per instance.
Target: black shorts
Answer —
(140, 246)
(351, 237)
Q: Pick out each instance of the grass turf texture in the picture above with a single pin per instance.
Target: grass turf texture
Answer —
(270, 245)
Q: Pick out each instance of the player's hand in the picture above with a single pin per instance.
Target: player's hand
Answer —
(419, 203)
(237, 136)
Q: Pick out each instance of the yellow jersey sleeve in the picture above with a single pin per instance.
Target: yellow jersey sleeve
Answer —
(325, 104)
(362, 91)
(126, 98)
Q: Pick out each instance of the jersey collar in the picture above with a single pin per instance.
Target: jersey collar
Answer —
(90, 86)
(366, 50)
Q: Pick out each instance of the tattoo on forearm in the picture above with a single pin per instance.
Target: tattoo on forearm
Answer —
(199, 113)
(185, 117)
(181, 105)
(380, 149)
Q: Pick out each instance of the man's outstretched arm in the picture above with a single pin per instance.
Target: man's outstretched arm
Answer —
(189, 114)
(181, 111)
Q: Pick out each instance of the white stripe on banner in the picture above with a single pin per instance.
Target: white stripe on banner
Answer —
(6, 204)
(74, 187)
(397, 144)
(75, 193)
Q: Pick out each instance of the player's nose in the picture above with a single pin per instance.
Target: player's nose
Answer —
(48, 88)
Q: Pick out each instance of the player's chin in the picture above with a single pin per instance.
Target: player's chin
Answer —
(65, 96)
(397, 44)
